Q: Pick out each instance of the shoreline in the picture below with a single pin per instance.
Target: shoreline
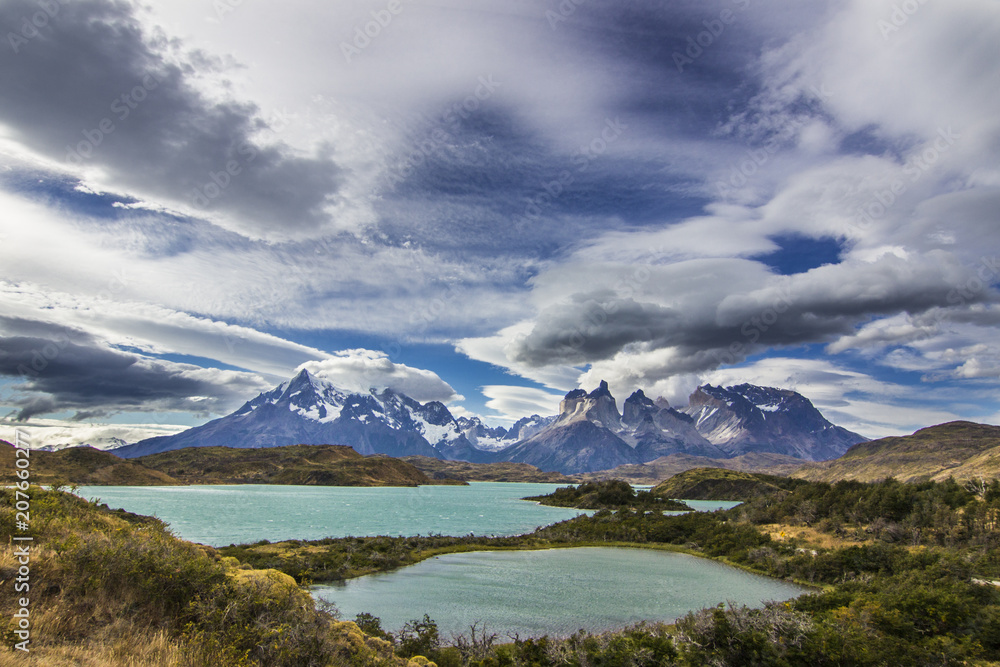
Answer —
(460, 548)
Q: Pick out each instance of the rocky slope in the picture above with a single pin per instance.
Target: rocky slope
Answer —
(309, 410)
(589, 434)
(963, 450)
(746, 418)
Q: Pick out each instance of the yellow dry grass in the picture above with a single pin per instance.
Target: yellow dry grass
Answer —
(808, 537)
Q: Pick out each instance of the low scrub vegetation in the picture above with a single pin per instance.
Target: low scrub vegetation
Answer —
(907, 581)
(110, 588)
(610, 494)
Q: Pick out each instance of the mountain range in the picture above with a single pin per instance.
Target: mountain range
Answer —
(588, 434)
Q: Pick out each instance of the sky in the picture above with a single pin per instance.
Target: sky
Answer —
(492, 203)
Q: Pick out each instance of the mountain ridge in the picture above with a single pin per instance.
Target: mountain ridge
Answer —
(588, 434)
(961, 449)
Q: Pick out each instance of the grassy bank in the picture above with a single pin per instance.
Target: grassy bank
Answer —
(904, 571)
(111, 588)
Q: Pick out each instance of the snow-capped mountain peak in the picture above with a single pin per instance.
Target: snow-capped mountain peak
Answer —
(312, 410)
(746, 418)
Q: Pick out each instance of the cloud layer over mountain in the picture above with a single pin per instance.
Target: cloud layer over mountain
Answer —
(496, 202)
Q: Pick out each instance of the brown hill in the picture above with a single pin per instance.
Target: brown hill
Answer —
(668, 466)
(84, 466)
(722, 484)
(484, 472)
(320, 465)
(960, 449)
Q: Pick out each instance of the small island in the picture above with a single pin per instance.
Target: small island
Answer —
(724, 484)
(610, 494)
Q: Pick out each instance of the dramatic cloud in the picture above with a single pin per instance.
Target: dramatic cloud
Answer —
(150, 329)
(729, 317)
(69, 371)
(513, 402)
(361, 370)
(95, 89)
(649, 193)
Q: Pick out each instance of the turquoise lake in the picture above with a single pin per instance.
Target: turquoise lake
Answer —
(223, 515)
(554, 591)
(529, 593)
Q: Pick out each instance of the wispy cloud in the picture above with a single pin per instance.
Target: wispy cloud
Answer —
(555, 197)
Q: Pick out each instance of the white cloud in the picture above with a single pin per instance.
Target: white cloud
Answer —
(513, 402)
(361, 370)
(155, 329)
(409, 293)
(495, 350)
(55, 433)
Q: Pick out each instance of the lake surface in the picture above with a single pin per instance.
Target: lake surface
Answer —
(532, 593)
(222, 515)
(553, 591)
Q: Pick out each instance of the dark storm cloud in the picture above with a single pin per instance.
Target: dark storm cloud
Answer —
(92, 87)
(806, 308)
(62, 369)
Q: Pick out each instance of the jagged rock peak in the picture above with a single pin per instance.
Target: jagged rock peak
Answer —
(638, 396)
(598, 406)
(601, 391)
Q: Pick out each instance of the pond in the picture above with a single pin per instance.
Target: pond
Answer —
(552, 591)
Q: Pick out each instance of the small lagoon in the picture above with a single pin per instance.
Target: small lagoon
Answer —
(551, 591)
